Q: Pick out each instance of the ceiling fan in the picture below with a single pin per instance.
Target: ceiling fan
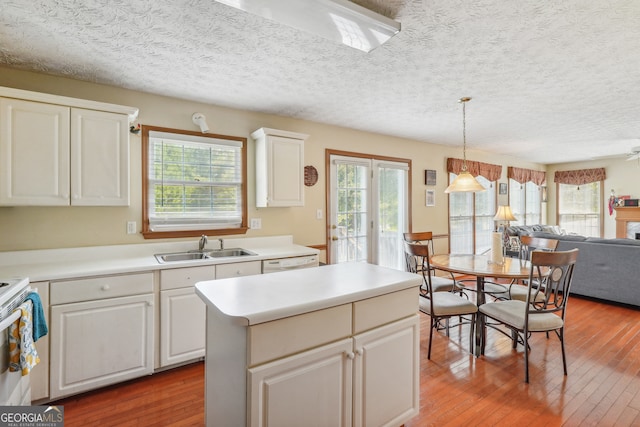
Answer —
(634, 154)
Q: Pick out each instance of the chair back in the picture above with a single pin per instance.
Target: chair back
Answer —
(553, 272)
(529, 243)
(420, 237)
(417, 261)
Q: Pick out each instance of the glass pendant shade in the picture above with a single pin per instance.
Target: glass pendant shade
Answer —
(464, 182)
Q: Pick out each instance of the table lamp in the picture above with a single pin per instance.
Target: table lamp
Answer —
(504, 215)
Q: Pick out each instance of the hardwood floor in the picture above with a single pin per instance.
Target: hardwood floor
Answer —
(602, 388)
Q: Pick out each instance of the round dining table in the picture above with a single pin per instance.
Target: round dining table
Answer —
(482, 268)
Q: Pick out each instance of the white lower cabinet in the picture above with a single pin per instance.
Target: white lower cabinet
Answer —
(314, 385)
(369, 378)
(101, 332)
(182, 314)
(387, 369)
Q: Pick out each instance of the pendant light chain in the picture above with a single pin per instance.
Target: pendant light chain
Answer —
(464, 132)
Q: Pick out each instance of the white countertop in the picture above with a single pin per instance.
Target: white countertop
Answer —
(257, 299)
(69, 263)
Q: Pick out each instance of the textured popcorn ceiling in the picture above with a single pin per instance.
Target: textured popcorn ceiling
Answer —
(551, 80)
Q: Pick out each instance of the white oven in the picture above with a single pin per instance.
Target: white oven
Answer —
(15, 389)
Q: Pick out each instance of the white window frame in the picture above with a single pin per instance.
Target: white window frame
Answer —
(526, 202)
(581, 208)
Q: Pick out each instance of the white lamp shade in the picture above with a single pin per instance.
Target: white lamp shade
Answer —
(504, 214)
(465, 182)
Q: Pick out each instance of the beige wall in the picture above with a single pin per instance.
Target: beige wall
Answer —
(23, 228)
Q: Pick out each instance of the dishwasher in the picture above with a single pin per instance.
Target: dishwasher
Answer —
(293, 263)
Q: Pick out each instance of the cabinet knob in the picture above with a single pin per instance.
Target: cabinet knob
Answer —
(106, 287)
(350, 355)
(238, 273)
(360, 351)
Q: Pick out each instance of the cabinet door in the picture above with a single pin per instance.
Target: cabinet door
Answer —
(279, 172)
(314, 387)
(97, 343)
(99, 158)
(34, 153)
(387, 369)
(182, 326)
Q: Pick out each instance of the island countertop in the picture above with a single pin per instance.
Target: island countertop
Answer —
(251, 300)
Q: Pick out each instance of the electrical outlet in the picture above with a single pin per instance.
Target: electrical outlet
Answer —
(256, 223)
(131, 227)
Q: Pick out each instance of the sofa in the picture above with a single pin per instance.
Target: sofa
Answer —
(607, 269)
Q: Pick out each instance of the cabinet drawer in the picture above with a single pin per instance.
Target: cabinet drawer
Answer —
(373, 312)
(272, 340)
(185, 277)
(94, 288)
(238, 269)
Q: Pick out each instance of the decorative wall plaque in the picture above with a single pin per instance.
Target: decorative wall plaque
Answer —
(429, 177)
(310, 176)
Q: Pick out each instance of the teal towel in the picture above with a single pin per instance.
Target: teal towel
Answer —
(39, 322)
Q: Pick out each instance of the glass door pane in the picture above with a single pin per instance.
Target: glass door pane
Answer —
(392, 214)
(350, 211)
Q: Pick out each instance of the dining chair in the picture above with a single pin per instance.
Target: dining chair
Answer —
(553, 271)
(438, 305)
(528, 244)
(439, 283)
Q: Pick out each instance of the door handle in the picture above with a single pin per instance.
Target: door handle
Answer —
(334, 238)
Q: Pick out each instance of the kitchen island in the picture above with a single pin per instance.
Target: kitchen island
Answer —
(336, 345)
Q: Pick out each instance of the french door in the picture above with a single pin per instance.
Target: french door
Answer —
(368, 209)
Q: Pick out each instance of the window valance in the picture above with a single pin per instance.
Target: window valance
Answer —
(522, 175)
(580, 176)
(487, 170)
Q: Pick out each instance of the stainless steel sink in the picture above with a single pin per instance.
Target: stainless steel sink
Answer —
(181, 256)
(231, 252)
(201, 255)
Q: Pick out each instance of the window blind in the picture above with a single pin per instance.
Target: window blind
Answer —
(194, 183)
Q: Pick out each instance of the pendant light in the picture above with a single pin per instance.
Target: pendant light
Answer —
(464, 182)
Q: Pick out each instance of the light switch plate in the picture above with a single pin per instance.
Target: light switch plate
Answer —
(131, 227)
(256, 223)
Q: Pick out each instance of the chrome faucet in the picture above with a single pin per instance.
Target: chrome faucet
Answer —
(221, 244)
(203, 241)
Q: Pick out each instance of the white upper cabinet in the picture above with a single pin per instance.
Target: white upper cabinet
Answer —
(99, 158)
(34, 156)
(279, 168)
(57, 151)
